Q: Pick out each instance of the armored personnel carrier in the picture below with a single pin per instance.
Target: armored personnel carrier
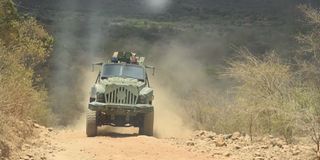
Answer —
(121, 95)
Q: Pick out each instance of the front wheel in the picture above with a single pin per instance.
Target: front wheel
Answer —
(92, 127)
(146, 128)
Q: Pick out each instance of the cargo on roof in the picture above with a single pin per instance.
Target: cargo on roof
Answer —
(127, 57)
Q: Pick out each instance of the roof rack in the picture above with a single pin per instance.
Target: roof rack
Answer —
(127, 57)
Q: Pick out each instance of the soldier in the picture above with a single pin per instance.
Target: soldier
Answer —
(114, 58)
(133, 58)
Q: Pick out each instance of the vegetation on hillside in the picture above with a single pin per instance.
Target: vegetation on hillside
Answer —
(24, 48)
(270, 94)
(89, 30)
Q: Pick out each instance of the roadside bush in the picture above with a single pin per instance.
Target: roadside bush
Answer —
(13, 134)
(309, 62)
(264, 93)
(199, 106)
(24, 48)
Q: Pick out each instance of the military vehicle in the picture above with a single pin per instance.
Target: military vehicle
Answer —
(121, 95)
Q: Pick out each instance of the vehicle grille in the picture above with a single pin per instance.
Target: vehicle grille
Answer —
(122, 94)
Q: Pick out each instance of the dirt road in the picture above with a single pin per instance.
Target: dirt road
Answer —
(74, 145)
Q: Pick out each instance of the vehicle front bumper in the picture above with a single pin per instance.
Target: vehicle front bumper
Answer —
(120, 108)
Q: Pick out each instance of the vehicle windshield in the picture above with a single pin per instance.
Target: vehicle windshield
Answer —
(123, 70)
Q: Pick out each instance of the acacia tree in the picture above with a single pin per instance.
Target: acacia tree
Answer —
(264, 92)
(309, 63)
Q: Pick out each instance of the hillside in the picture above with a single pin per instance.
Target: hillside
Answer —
(208, 30)
(247, 67)
(260, 25)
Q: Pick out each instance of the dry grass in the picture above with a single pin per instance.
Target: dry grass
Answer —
(13, 134)
(24, 45)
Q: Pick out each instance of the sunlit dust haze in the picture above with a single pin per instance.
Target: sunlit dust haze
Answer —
(157, 6)
(168, 118)
(78, 42)
(179, 71)
(86, 33)
(188, 41)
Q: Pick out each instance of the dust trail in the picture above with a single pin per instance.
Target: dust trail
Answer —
(80, 121)
(93, 48)
(179, 73)
(63, 75)
(168, 121)
(78, 41)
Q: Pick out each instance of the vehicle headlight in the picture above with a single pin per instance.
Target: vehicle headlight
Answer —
(142, 99)
(100, 97)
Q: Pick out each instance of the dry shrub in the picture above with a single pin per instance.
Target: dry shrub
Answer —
(24, 48)
(18, 97)
(200, 107)
(264, 93)
(13, 134)
(19, 101)
(208, 109)
(311, 14)
(309, 62)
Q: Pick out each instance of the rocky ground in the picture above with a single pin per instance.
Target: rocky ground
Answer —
(65, 144)
(239, 146)
(41, 146)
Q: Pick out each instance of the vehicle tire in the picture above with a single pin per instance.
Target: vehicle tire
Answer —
(146, 127)
(92, 127)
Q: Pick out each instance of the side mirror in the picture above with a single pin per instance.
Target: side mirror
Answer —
(96, 64)
(151, 67)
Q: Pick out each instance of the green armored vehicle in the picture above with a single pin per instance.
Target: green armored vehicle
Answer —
(121, 95)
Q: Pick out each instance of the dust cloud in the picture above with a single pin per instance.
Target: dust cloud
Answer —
(78, 42)
(178, 74)
(180, 68)
(91, 76)
(168, 122)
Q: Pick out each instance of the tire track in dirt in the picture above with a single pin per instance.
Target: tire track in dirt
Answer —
(74, 145)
